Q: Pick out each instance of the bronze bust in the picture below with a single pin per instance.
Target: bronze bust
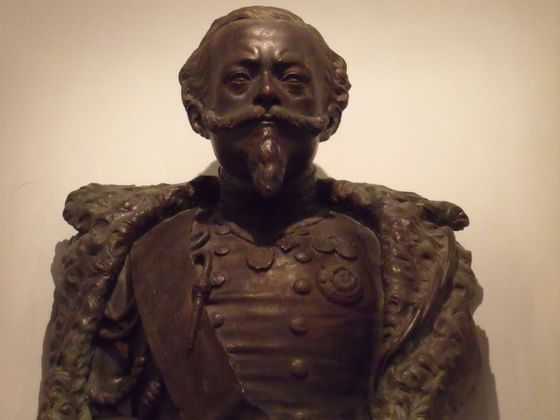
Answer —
(263, 293)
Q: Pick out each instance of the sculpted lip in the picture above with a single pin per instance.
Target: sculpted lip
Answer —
(267, 119)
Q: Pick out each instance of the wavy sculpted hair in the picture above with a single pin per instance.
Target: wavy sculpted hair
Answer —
(193, 81)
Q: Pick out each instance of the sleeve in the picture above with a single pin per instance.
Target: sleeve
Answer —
(124, 383)
(108, 219)
(116, 363)
(438, 367)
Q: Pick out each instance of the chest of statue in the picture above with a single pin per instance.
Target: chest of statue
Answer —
(298, 316)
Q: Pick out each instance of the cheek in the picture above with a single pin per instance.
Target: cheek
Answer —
(226, 101)
(310, 104)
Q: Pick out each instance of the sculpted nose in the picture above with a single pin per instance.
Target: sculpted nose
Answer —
(267, 95)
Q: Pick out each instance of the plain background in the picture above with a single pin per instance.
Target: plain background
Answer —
(456, 100)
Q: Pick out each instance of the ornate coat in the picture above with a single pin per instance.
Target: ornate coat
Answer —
(429, 358)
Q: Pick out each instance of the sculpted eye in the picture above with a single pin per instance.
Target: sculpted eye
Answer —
(238, 77)
(238, 82)
(295, 78)
(295, 82)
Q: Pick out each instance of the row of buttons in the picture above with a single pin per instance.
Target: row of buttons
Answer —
(300, 286)
(323, 244)
(298, 324)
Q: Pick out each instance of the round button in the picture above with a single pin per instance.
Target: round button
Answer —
(323, 244)
(217, 320)
(302, 286)
(218, 279)
(287, 243)
(346, 249)
(222, 230)
(303, 256)
(298, 325)
(222, 250)
(260, 259)
(299, 368)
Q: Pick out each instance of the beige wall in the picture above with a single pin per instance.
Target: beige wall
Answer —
(457, 100)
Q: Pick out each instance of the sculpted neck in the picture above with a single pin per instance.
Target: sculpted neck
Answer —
(241, 203)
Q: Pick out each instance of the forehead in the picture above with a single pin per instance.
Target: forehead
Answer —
(251, 38)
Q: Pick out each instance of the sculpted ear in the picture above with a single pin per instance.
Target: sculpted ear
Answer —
(195, 113)
(335, 115)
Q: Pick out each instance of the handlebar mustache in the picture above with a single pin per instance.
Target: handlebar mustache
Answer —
(314, 125)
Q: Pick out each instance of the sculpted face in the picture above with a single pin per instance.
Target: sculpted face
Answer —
(267, 95)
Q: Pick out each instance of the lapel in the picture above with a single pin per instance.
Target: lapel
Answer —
(419, 256)
(201, 382)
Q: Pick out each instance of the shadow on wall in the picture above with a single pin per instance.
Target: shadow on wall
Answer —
(483, 403)
(57, 269)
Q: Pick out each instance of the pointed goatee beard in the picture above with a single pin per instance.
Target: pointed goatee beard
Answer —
(267, 164)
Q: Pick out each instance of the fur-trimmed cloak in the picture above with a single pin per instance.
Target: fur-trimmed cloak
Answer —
(430, 352)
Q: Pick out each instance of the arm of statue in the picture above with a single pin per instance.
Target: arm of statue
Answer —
(123, 381)
(109, 219)
(436, 370)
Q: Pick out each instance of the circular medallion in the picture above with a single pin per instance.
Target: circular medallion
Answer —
(260, 259)
(340, 285)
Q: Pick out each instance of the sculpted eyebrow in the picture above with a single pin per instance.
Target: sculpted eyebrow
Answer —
(282, 66)
(249, 63)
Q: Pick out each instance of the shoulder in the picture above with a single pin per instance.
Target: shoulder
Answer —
(348, 228)
(97, 205)
(419, 253)
(165, 235)
(347, 224)
(376, 204)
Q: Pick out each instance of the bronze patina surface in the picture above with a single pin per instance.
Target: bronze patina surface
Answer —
(263, 293)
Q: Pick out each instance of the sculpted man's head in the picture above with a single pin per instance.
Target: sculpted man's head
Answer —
(265, 88)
